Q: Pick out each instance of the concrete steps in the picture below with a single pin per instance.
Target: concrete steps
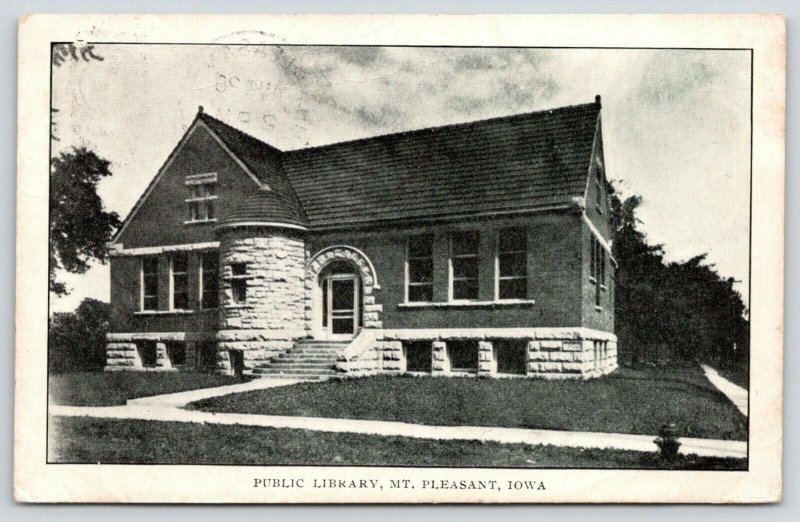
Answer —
(307, 360)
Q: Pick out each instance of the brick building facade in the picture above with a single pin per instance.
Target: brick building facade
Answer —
(478, 248)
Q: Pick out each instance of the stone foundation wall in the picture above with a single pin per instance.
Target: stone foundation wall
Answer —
(124, 350)
(550, 353)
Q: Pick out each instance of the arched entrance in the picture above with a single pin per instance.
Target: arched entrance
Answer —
(341, 280)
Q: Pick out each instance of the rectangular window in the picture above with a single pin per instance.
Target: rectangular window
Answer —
(512, 264)
(239, 283)
(598, 269)
(202, 197)
(463, 355)
(464, 265)
(176, 351)
(180, 281)
(150, 283)
(419, 356)
(420, 268)
(209, 282)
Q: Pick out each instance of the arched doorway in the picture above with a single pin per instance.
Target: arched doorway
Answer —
(341, 301)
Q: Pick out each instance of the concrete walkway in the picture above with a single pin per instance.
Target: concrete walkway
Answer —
(736, 394)
(180, 399)
(619, 441)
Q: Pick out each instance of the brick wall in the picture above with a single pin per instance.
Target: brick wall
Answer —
(160, 219)
(554, 267)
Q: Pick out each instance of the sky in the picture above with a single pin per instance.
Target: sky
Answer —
(676, 123)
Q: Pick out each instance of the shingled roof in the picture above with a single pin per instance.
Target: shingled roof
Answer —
(508, 164)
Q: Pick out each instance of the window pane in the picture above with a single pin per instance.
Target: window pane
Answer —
(463, 355)
(343, 294)
(194, 211)
(421, 246)
(420, 293)
(211, 189)
(465, 243)
(515, 264)
(209, 280)
(512, 239)
(239, 291)
(420, 270)
(239, 269)
(513, 288)
(465, 267)
(419, 356)
(150, 302)
(465, 289)
(210, 209)
(179, 261)
(150, 265)
(342, 326)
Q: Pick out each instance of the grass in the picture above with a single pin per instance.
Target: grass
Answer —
(84, 440)
(625, 402)
(114, 388)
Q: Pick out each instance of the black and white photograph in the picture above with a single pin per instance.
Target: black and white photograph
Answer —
(359, 256)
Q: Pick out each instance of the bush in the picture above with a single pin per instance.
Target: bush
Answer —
(77, 340)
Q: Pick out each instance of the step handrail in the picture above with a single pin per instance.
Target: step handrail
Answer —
(360, 344)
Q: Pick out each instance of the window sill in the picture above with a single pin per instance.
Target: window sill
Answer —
(163, 312)
(468, 304)
(598, 308)
(200, 222)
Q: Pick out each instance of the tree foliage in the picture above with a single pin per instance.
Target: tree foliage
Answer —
(79, 225)
(671, 313)
(77, 340)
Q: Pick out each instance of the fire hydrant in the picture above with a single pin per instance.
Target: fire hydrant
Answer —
(667, 442)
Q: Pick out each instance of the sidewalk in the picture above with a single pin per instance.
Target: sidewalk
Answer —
(736, 394)
(180, 399)
(159, 412)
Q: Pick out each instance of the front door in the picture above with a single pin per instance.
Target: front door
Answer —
(341, 306)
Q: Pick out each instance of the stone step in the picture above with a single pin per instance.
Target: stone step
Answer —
(313, 353)
(309, 358)
(293, 373)
(272, 369)
(298, 376)
(302, 364)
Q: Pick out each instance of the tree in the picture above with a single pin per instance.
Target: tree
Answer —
(671, 313)
(77, 340)
(79, 225)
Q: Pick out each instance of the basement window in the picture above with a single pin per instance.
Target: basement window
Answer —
(463, 355)
(176, 351)
(419, 356)
(511, 356)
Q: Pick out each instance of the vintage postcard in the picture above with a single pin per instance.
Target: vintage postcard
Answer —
(400, 259)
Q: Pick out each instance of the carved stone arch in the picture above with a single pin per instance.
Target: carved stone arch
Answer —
(366, 270)
(344, 253)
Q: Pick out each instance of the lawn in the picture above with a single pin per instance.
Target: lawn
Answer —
(84, 440)
(625, 402)
(114, 388)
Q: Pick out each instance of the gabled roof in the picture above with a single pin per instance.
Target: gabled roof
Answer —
(275, 201)
(508, 164)
(518, 163)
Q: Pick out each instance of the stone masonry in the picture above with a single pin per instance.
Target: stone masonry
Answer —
(273, 314)
(550, 353)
